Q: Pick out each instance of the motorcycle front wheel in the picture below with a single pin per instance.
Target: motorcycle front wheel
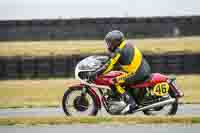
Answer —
(74, 103)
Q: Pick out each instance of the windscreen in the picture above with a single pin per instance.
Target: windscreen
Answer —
(92, 62)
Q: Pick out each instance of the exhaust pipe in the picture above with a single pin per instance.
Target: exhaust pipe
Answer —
(163, 103)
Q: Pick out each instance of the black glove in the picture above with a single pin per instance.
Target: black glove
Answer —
(92, 76)
(114, 80)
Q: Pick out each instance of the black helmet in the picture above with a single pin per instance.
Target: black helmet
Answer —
(113, 39)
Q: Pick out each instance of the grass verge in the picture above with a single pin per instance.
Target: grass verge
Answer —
(49, 48)
(33, 93)
(47, 120)
(49, 93)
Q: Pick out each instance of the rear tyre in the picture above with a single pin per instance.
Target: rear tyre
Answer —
(170, 109)
(79, 105)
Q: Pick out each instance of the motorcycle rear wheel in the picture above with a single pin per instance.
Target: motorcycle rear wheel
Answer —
(80, 104)
(158, 111)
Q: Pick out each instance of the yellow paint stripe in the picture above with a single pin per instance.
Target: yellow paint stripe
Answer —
(112, 63)
(120, 89)
(115, 59)
(121, 46)
(135, 64)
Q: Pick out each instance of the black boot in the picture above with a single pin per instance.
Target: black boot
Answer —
(131, 104)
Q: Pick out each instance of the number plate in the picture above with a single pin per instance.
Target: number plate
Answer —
(161, 89)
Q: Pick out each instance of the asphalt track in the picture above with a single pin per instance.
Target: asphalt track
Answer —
(184, 109)
(162, 128)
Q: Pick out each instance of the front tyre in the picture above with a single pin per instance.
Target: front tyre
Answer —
(74, 103)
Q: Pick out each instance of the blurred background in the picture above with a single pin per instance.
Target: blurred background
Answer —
(42, 40)
(51, 9)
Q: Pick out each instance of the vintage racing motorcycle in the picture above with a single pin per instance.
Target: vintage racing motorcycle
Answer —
(156, 95)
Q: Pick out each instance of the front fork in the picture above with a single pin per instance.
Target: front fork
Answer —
(87, 89)
(84, 91)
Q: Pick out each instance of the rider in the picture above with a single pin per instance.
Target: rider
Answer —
(131, 61)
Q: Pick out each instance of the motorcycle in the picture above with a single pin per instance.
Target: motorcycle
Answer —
(156, 95)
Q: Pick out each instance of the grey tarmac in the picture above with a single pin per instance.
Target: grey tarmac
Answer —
(184, 109)
(162, 128)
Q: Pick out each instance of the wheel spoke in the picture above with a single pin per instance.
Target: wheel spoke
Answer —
(69, 106)
(76, 106)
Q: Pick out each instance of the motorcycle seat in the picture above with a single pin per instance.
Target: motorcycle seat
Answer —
(151, 80)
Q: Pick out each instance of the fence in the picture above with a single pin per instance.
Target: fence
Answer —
(96, 28)
(41, 67)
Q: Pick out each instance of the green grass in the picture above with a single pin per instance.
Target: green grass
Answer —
(116, 120)
(33, 93)
(49, 93)
(48, 48)
(190, 85)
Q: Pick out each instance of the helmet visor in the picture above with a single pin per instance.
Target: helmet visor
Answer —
(109, 46)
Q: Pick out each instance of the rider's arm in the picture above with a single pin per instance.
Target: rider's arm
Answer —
(110, 64)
